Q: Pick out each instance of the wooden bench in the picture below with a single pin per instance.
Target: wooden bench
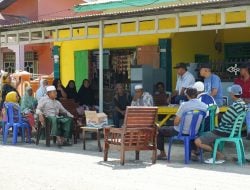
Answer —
(139, 132)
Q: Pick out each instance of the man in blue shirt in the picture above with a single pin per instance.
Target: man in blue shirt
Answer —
(192, 104)
(212, 83)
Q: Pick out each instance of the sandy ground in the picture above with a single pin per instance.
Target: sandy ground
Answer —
(31, 167)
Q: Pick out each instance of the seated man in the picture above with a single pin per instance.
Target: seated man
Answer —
(141, 98)
(160, 96)
(207, 99)
(192, 104)
(61, 126)
(121, 101)
(225, 126)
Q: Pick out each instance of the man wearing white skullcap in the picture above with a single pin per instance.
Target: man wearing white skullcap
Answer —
(141, 98)
(59, 118)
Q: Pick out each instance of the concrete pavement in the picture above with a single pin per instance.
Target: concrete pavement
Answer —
(31, 167)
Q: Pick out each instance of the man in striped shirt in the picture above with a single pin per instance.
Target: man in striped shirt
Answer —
(225, 126)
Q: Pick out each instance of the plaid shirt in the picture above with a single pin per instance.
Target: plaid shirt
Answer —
(145, 100)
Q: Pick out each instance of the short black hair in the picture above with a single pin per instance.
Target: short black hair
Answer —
(160, 83)
(191, 92)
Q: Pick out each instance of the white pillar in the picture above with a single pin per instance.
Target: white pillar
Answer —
(101, 66)
(19, 51)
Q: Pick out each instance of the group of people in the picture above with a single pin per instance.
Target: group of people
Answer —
(46, 105)
(196, 96)
(192, 95)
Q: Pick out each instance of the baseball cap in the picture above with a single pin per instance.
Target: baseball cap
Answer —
(50, 88)
(235, 89)
(199, 86)
(181, 65)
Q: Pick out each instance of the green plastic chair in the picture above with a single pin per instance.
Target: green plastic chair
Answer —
(235, 138)
(212, 113)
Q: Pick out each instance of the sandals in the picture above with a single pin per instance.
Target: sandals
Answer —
(210, 161)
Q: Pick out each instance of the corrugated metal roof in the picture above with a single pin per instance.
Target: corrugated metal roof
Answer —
(137, 4)
(186, 5)
(120, 4)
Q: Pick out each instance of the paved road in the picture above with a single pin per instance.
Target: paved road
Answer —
(28, 167)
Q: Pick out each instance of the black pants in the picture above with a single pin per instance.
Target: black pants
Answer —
(165, 132)
(117, 116)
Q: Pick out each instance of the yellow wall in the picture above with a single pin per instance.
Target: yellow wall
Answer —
(184, 45)
(68, 48)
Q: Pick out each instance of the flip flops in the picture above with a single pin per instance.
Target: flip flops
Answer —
(210, 161)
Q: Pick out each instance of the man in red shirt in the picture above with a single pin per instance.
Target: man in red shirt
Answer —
(244, 81)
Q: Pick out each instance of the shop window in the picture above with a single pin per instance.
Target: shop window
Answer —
(9, 62)
(30, 62)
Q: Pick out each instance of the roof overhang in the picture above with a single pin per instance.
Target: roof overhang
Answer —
(49, 31)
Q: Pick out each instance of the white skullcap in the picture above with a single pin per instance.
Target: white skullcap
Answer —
(138, 87)
(50, 88)
(199, 86)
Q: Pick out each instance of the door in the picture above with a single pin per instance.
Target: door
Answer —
(166, 61)
(81, 64)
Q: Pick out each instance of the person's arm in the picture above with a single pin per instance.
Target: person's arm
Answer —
(182, 91)
(39, 111)
(177, 121)
(215, 83)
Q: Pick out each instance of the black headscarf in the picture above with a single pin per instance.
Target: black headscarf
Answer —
(86, 95)
(71, 92)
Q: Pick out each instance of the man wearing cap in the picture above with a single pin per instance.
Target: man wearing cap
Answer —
(206, 140)
(141, 98)
(61, 126)
(192, 104)
(244, 82)
(212, 83)
(184, 80)
(205, 98)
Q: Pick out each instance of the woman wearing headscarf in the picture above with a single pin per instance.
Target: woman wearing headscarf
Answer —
(7, 87)
(28, 106)
(71, 90)
(60, 89)
(13, 97)
(86, 98)
(41, 91)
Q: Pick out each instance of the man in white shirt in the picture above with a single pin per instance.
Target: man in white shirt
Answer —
(184, 80)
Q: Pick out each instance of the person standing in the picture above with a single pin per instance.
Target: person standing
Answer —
(244, 81)
(141, 98)
(184, 80)
(212, 83)
(121, 101)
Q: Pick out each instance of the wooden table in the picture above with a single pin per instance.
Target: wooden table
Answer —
(169, 111)
(92, 129)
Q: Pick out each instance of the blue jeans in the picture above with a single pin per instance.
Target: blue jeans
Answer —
(117, 117)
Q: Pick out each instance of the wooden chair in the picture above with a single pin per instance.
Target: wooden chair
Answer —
(71, 105)
(139, 132)
(47, 129)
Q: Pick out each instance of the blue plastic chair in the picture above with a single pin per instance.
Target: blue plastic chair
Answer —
(197, 118)
(234, 137)
(15, 125)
